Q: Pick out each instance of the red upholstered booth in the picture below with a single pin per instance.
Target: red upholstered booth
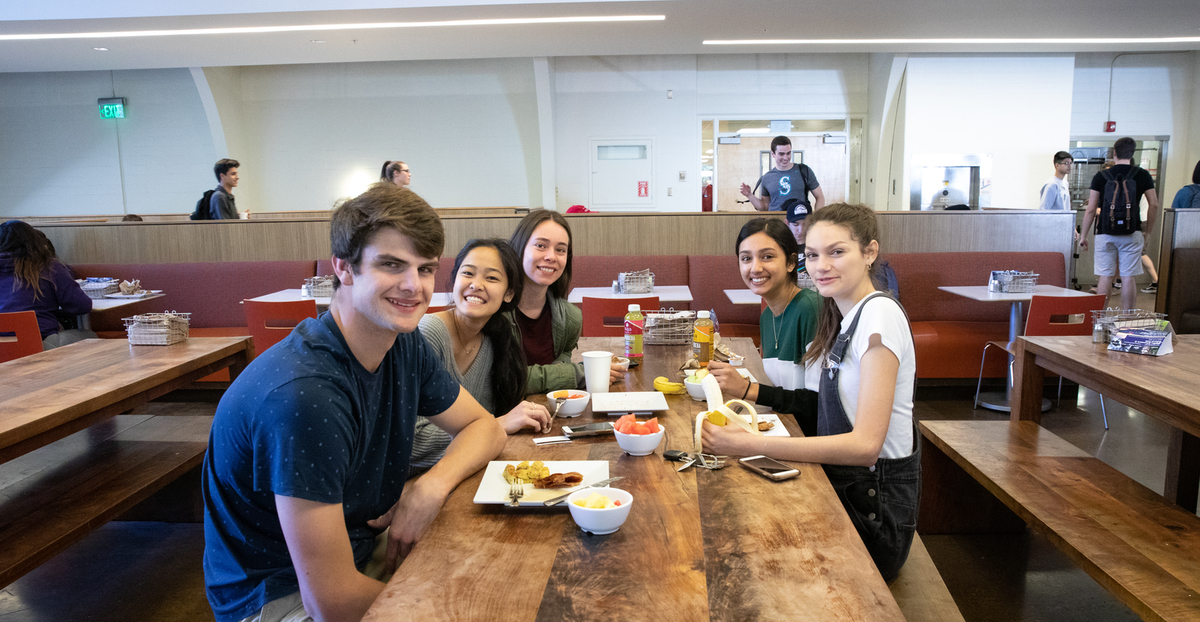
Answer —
(949, 331)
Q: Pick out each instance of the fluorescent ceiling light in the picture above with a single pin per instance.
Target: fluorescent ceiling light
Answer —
(329, 27)
(754, 130)
(981, 41)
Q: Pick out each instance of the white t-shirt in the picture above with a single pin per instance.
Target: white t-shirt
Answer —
(884, 318)
(1064, 194)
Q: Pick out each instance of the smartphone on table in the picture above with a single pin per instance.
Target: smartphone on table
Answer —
(591, 429)
(769, 468)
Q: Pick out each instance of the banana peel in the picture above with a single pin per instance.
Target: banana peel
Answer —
(723, 414)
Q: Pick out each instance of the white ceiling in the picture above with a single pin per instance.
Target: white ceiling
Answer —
(688, 23)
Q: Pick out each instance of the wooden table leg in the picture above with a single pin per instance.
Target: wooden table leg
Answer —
(1028, 380)
(1183, 469)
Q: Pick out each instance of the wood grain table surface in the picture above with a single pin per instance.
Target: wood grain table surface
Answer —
(47, 396)
(1164, 387)
(698, 545)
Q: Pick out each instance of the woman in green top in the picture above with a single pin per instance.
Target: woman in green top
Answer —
(769, 257)
(548, 326)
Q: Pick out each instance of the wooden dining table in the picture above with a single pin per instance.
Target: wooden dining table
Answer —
(698, 544)
(52, 394)
(1164, 387)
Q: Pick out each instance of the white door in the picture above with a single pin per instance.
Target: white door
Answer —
(622, 173)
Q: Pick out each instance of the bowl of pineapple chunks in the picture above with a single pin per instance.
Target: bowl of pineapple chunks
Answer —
(600, 511)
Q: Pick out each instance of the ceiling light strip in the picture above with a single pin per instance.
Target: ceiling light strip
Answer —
(961, 41)
(328, 27)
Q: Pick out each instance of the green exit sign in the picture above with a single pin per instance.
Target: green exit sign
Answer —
(112, 107)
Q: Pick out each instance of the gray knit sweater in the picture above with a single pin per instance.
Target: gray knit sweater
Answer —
(430, 442)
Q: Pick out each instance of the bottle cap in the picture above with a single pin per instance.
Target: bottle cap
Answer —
(635, 307)
(702, 315)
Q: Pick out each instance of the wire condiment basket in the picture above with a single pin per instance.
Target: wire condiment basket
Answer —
(97, 288)
(157, 329)
(317, 287)
(640, 282)
(668, 326)
(1012, 282)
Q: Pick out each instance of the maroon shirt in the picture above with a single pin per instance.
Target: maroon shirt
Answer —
(537, 336)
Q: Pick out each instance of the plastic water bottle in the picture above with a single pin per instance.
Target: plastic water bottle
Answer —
(635, 325)
(702, 338)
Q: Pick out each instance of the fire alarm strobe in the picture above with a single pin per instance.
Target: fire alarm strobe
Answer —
(1110, 126)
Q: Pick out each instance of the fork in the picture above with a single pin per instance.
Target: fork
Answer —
(515, 492)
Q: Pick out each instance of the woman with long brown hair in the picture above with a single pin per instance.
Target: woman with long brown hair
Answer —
(33, 279)
(862, 365)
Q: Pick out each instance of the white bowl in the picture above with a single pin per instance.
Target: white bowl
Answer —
(639, 444)
(600, 521)
(694, 389)
(572, 407)
(623, 363)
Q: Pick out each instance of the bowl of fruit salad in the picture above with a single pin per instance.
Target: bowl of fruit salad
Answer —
(638, 438)
(600, 511)
(573, 402)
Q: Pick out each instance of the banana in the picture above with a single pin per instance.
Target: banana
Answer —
(724, 414)
(661, 383)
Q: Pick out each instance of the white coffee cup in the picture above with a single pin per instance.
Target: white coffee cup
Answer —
(596, 366)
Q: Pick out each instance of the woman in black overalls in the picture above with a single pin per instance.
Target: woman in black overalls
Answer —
(881, 494)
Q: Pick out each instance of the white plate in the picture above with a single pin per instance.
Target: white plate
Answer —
(493, 488)
(636, 401)
(778, 430)
(142, 294)
(746, 374)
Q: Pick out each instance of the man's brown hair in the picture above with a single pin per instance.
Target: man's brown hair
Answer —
(356, 220)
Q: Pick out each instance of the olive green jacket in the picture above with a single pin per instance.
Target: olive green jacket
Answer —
(566, 322)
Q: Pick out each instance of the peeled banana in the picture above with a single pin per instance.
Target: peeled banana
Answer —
(723, 414)
(661, 383)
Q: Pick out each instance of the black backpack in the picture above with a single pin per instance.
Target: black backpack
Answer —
(1120, 212)
(203, 210)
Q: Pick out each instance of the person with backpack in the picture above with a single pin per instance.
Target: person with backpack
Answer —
(221, 205)
(1114, 202)
(786, 187)
(1189, 196)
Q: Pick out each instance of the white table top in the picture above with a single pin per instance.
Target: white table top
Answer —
(743, 297)
(440, 299)
(103, 304)
(981, 293)
(665, 293)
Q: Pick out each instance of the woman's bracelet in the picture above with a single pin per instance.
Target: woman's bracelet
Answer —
(748, 385)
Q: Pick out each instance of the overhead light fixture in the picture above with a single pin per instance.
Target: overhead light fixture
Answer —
(241, 30)
(754, 130)
(100, 49)
(981, 41)
(316, 41)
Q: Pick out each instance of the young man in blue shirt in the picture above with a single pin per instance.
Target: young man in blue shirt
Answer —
(309, 448)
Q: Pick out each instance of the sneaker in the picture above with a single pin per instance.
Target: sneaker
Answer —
(1150, 289)
(1117, 284)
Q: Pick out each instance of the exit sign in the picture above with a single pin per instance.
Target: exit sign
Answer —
(112, 107)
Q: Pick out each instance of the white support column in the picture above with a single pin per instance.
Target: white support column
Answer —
(543, 79)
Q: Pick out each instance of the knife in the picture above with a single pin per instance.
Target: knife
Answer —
(603, 482)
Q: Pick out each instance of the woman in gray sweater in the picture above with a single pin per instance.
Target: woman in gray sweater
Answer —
(477, 345)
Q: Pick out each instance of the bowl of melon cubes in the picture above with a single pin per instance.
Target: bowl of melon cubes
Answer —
(600, 511)
(638, 438)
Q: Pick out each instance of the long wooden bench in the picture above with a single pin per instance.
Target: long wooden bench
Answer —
(53, 497)
(1142, 548)
(920, 590)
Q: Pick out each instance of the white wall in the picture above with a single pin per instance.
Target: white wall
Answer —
(626, 97)
(1152, 95)
(1015, 107)
(317, 133)
(59, 157)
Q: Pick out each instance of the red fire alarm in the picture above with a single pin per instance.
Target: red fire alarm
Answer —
(1110, 126)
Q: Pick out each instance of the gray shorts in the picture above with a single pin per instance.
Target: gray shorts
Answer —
(1119, 250)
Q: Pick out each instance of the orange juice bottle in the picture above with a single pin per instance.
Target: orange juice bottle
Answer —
(702, 338)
